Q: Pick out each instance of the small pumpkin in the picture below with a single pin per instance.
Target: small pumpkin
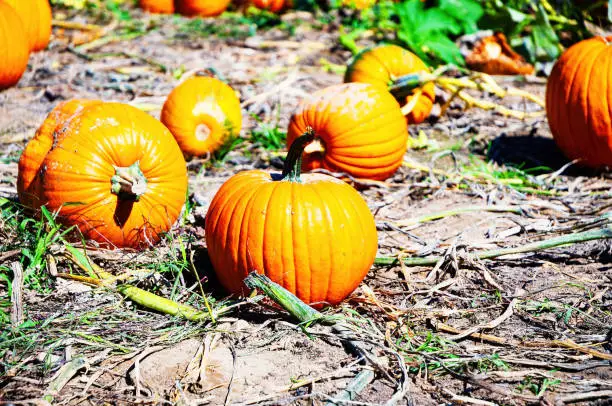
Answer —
(312, 234)
(359, 127)
(202, 8)
(273, 6)
(578, 102)
(29, 187)
(358, 4)
(157, 6)
(14, 43)
(36, 17)
(201, 113)
(383, 66)
(116, 173)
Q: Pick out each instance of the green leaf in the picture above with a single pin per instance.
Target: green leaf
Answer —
(445, 49)
(610, 10)
(465, 12)
(544, 37)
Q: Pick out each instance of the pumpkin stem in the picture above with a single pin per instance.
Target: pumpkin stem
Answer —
(129, 183)
(293, 163)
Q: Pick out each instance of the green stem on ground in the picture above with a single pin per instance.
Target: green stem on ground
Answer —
(137, 295)
(604, 233)
(287, 300)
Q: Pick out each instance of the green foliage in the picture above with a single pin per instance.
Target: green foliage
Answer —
(528, 26)
(269, 136)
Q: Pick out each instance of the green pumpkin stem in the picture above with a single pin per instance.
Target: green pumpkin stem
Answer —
(129, 183)
(293, 162)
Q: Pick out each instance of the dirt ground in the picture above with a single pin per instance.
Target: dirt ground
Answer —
(525, 328)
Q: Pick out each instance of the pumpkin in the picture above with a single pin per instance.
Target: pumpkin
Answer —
(358, 4)
(157, 6)
(36, 17)
(29, 187)
(383, 66)
(202, 8)
(273, 6)
(116, 173)
(14, 44)
(201, 113)
(311, 233)
(359, 127)
(578, 102)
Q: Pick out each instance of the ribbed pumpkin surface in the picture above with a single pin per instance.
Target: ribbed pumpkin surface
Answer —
(157, 6)
(14, 49)
(316, 237)
(202, 8)
(273, 6)
(36, 17)
(579, 102)
(360, 126)
(382, 65)
(29, 187)
(95, 148)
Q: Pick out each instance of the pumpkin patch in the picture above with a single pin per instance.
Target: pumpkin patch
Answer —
(305, 202)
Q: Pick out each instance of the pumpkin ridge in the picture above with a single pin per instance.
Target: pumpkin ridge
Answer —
(583, 101)
(366, 162)
(229, 233)
(571, 73)
(590, 116)
(326, 221)
(245, 233)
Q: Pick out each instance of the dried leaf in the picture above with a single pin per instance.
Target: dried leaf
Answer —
(494, 56)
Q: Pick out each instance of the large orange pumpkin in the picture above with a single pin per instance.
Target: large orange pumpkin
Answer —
(359, 127)
(36, 17)
(202, 8)
(14, 49)
(273, 6)
(578, 102)
(383, 65)
(157, 6)
(29, 187)
(201, 113)
(116, 173)
(312, 233)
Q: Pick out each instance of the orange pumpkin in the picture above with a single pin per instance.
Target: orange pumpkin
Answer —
(202, 8)
(116, 173)
(157, 6)
(14, 45)
(312, 233)
(383, 65)
(359, 130)
(358, 4)
(36, 17)
(29, 187)
(578, 102)
(201, 113)
(273, 6)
